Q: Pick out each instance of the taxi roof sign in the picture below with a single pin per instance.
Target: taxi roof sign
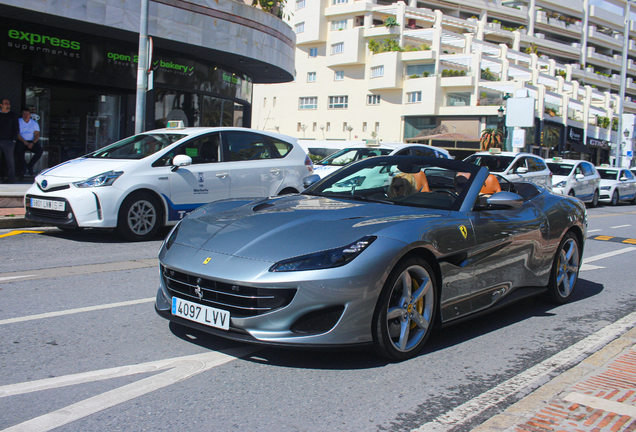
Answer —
(175, 124)
(372, 143)
(494, 150)
(557, 159)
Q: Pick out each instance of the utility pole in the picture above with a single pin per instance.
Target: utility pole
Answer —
(142, 69)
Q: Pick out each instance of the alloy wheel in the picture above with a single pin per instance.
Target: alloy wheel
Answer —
(568, 267)
(142, 217)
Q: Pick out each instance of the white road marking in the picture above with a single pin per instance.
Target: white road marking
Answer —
(602, 404)
(592, 231)
(531, 377)
(15, 277)
(586, 266)
(621, 226)
(176, 370)
(74, 311)
(608, 254)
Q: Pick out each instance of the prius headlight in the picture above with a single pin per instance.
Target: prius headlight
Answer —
(561, 184)
(325, 259)
(105, 179)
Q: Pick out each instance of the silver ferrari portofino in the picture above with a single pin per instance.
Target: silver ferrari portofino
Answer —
(377, 253)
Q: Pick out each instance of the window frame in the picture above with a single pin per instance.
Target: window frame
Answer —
(302, 106)
(373, 100)
(411, 100)
(335, 51)
(341, 103)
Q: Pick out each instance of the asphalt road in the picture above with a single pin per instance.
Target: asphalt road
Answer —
(81, 349)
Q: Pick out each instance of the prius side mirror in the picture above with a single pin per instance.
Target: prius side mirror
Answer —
(579, 176)
(179, 161)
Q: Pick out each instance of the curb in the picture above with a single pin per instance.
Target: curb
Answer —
(8, 222)
(524, 410)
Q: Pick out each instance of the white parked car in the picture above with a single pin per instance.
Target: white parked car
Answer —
(362, 151)
(514, 166)
(617, 184)
(576, 178)
(156, 178)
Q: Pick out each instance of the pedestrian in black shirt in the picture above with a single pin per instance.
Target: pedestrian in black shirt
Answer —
(9, 131)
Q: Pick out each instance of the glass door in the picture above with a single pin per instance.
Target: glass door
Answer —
(38, 100)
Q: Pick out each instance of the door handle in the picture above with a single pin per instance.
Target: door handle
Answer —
(275, 171)
(222, 174)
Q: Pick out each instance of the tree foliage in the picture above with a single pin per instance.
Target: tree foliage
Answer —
(491, 138)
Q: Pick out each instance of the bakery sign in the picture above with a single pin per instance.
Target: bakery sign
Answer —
(595, 142)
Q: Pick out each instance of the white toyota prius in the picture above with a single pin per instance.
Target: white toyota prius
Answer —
(150, 180)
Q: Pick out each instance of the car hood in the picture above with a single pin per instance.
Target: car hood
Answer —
(284, 227)
(324, 170)
(606, 182)
(83, 168)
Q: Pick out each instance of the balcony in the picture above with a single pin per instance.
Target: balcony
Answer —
(387, 63)
(352, 50)
(602, 60)
(558, 25)
(599, 38)
(381, 31)
(606, 18)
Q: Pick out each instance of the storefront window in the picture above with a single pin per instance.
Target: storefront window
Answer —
(176, 105)
(38, 101)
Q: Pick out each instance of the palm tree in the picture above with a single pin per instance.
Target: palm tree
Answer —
(491, 138)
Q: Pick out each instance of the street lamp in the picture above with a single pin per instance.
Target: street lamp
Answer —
(628, 11)
(500, 114)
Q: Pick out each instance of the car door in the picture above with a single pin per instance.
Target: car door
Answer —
(628, 185)
(257, 168)
(539, 172)
(510, 251)
(514, 173)
(578, 183)
(204, 181)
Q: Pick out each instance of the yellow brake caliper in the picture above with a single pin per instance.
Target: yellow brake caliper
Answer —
(420, 303)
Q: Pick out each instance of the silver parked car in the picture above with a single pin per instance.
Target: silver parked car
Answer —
(406, 243)
(617, 184)
(576, 178)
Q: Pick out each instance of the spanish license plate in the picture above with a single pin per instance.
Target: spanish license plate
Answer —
(205, 315)
(47, 204)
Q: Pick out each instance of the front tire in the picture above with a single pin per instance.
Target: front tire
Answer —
(565, 270)
(139, 217)
(615, 198)
(405, 312)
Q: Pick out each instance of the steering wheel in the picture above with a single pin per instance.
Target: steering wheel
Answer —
(446, 191)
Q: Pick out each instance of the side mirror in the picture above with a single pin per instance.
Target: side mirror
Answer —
(180, 160)
(521, 170)
(311, 180)
(505, 199)
(579, 176)
(623, 178)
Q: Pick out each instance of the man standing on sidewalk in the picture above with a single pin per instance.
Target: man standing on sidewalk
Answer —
(28, 140)
(9, 131)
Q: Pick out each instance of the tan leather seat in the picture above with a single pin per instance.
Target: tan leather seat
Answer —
(421, 182)
(491, 185)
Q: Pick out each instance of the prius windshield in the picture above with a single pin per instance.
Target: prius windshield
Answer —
(137, 146)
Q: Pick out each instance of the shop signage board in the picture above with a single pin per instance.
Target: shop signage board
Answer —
(76, 57)
(575, 135)
(595, 142)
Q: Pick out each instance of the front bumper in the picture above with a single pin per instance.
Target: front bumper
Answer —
(560, 191)
(82, 207)
(352, 290)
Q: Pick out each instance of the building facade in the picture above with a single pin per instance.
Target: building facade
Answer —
(74, 65)
(401, 71)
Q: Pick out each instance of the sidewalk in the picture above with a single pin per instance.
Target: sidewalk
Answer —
(12, 205)
(597, 395)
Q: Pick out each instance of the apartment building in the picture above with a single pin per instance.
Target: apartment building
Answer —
(405, 71)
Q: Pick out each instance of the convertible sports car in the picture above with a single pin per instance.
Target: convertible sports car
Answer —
(377, 253)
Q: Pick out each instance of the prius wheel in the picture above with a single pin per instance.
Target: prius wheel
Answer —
(403, 317)
(565, 270)
(615, 198)
(139, 217)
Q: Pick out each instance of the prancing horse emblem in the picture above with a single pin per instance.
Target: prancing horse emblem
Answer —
(198, 292)
(463, 230)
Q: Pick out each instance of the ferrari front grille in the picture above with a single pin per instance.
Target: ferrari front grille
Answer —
(241, 301)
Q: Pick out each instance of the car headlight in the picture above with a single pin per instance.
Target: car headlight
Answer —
(105, 179)
(606, 187)
(325, 259)
(561, 184)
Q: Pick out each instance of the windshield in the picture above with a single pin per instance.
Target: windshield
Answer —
(402, 180)
(348, 155)
(608, 174)
(493, 163)
(560, 169)
(137, 146)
